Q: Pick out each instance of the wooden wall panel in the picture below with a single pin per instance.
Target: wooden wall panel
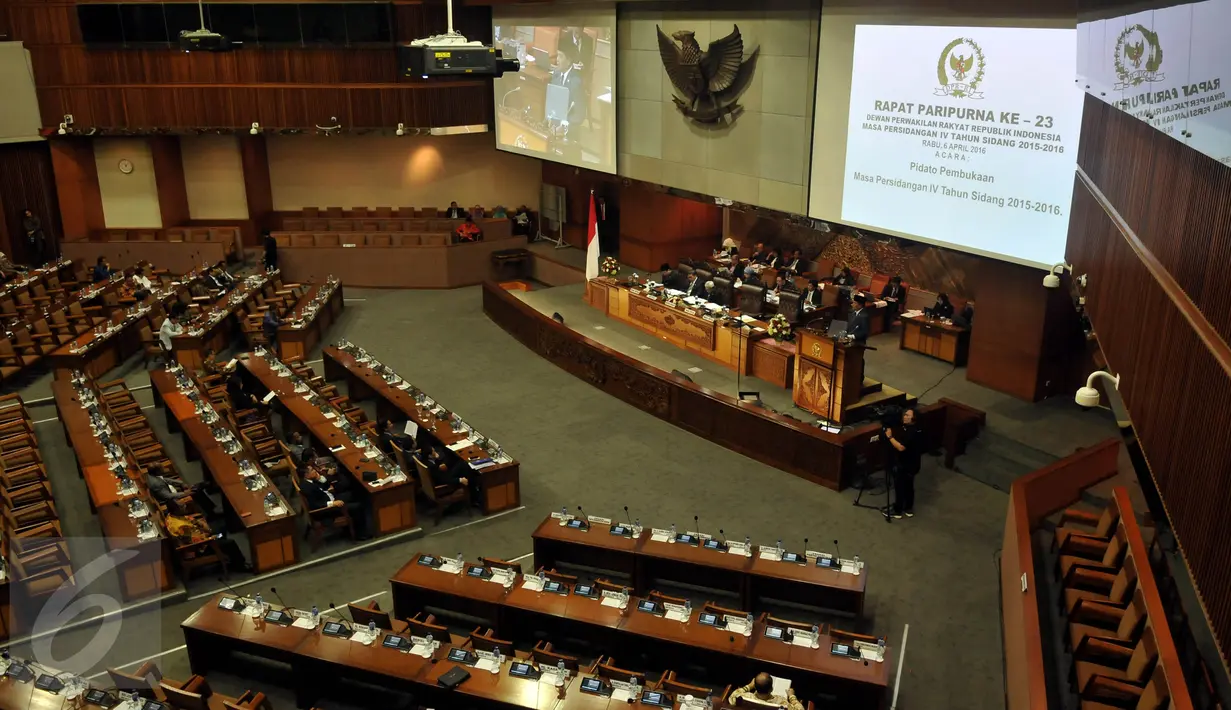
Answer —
(1175, 371)
(169, 173)
(145, 89)
(27, 182)
(1176, 200)
(76, 183)
(254, 156)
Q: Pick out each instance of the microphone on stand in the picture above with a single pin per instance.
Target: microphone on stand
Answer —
(723, 536)
(585, 519)
(230, 589)
(696, 525)
(350, 623)
(838, 550)
(274, 591)
(627, 517)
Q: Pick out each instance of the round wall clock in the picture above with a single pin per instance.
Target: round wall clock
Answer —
(126, 166)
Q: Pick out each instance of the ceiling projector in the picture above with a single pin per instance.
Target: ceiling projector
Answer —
(450, 55)
(203, 40)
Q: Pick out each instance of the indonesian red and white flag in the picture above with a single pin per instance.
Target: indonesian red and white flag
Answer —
(592, 241)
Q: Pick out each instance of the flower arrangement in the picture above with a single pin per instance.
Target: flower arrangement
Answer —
(609, 266)
(779, 329)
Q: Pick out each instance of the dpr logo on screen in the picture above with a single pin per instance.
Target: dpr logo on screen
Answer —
(958, 59)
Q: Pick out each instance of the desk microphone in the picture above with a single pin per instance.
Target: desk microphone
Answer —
(230, 589)
(274, 591)
(350, 623)
(696, 524)
(584, 518)
(627, 516)
(839, 551)
(722, 535)
(805, 557)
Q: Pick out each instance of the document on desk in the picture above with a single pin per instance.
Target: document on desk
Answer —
(738, 624)
(488, 664)
(421, 649)
(534, 584)
(458, 446)
(304, 622)
(676, 614)
(549, 676)
(660, 535)
(450, 567)
(331, 415)
(770, 553)
(621, 695)
(411, 430)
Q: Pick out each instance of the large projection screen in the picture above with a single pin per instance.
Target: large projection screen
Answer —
(560, 106)
(950, 131)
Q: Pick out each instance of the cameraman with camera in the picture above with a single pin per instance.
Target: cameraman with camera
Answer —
(904, 458)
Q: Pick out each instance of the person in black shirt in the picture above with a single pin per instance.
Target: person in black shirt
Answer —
(906, 455)
(943, 309)
(967, 317)
(319, 494)
(442, 473)
(271, 251)
(240, 397)
(388, 436)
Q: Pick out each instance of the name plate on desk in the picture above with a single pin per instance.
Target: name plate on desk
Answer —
(738, 548)
(595, 520)
(660, 535)
(690, 311)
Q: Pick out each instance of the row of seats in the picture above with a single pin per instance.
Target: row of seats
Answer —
(334, 239)
(37, 552)
(192, 694)
(292, 224)
(1111, 634)
(229, 236)
(378, 212)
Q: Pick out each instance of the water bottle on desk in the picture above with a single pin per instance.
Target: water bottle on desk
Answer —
(562, 670)
(372, 628)
(779, 548)
(747, 543)
(880, 646)
(499, 661)
(316, 615)
(260, 602)
(673, 531)
(687, 609)
(856, 563)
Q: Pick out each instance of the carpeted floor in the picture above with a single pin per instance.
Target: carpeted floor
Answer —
(936, 572)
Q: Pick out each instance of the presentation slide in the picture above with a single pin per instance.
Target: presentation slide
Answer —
(965, 137)
(560, 106)
(1168, 67)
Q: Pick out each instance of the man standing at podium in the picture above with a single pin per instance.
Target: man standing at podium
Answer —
(859, 327)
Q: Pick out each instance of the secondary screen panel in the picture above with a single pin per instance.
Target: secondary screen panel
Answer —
(964, 136)
(560, 106)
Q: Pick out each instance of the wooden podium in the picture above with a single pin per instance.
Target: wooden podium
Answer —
(828, 375)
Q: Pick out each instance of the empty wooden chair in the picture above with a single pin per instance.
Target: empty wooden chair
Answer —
(372, 613)
(545, 656)
(144, 681)
(487, 641)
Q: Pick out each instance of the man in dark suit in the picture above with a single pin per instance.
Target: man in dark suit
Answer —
(567, 75)
(455, 212)
(694, 286)
(759, 254)
(793, 263)
(389, 436)
(443, 474)
(707, 291)
(168, 490)
(238, 393)
(319, 493)
(892, 294)
(859, 328)
(102, 270)
(812, 297)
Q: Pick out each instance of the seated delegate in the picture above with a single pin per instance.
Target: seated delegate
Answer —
(320, 495)
(762, 688)
(942, 308)
(468, 231)
(455, 212)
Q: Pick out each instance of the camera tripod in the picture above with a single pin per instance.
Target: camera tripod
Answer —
(868, 484)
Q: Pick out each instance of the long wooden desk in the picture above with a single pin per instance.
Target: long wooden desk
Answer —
(518, 613)
(438, 266)
(272, 542)
(647, 561)
(149, 571)
(748, 349)
(319, 664)
(392, 504)
(178, 257)
(214, 327)
(317, 309)
(499, 485)
(942, 340)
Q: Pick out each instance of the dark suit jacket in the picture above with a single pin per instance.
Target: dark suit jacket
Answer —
(888, 292)
(817, 296)
(793, 264)
(571, 79)
(315, 494)
(859, 326)
(455, 213)
(695, 289)
(943, 310)
(160, 488)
